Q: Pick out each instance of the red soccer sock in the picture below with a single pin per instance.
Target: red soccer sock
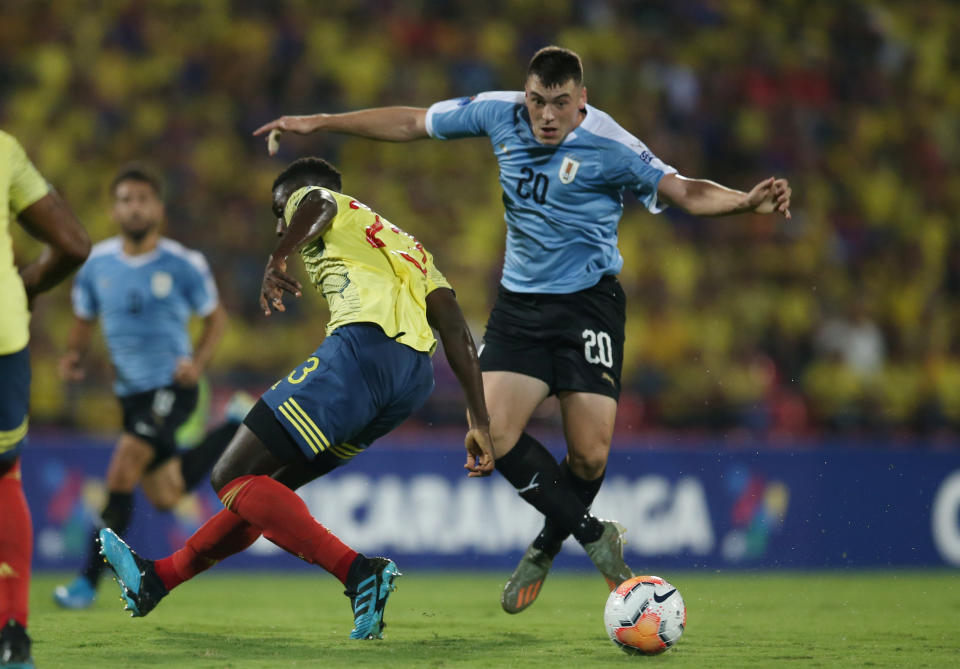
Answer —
(220, 537)
(285, 520)
(16, 544)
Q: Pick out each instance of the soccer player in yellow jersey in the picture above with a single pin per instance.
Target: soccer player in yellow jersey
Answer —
(371, 372)
(26, 195)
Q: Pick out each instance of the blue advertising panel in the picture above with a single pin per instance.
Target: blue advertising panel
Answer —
(824, 507)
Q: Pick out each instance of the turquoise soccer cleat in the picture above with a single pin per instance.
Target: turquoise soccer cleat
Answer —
(141, 588)
(369, 599)
(80, 594)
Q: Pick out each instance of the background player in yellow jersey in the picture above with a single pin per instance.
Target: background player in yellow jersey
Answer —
(371, 372)
(26, 195)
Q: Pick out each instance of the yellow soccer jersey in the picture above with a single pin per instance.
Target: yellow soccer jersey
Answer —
(371, 271)
(20, 186)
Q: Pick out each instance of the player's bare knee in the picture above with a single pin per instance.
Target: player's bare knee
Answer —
(220, 475)
(225, 470)
(166, 497)
(588, 466)
(504, 438)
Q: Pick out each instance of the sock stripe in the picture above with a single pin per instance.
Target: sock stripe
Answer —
(311, 441)
(292, 402)
(231, 494)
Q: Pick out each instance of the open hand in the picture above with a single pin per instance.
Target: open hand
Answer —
(276, 281)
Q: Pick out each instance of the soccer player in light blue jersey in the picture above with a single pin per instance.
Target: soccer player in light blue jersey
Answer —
(557, 326)
(143, 289)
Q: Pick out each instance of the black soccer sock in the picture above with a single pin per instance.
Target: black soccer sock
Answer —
(196, 462)
(551, 538)
(116, 516)
(531, 469)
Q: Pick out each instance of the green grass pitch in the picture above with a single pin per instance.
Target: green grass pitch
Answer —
(734, 619)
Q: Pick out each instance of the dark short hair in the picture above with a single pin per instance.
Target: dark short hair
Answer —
(137, 172)
(310, 169)
(555, 66)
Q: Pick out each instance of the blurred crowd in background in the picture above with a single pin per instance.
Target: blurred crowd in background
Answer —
(843, 320)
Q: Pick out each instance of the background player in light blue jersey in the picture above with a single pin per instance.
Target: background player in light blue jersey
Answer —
(557, 326)
(144, 288)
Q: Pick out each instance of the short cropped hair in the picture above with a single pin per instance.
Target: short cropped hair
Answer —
(555, 66)
(137, 171)
(312, 169)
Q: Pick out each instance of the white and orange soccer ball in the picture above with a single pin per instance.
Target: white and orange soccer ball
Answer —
(645, 615)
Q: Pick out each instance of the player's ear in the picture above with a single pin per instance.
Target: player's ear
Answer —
(583, 99)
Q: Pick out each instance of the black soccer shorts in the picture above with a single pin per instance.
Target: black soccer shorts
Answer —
(155, 415)
(572, 342)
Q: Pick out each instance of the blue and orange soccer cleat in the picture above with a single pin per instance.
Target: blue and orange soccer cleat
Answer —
(79, 594)
(140, 587)
(369, 599)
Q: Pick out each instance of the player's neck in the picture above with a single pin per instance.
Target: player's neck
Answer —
(136, 247)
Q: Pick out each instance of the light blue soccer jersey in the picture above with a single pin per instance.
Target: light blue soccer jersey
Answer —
(563, 203)
(144, 304)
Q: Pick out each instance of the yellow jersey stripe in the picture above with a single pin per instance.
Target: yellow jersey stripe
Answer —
(340, 453)
(318, 438)
(350, 448)
(306, 417)
(306, 437)
(9, 438)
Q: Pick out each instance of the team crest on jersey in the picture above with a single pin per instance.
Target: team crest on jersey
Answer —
(161, 284)
(568, 169)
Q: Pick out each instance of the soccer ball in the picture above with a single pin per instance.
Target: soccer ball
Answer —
(645, 615)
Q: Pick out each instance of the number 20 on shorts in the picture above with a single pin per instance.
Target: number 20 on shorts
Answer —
(598, 348)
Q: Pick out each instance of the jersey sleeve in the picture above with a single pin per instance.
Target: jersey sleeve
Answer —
(83, 296)
(26, 185)
(635, 167)
(294, 201)
(201, 289)
(435, 278)
(474, 116)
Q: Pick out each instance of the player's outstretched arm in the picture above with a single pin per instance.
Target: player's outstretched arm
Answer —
(445, 316)
(50, 220)
(707, 198)
(390, 124)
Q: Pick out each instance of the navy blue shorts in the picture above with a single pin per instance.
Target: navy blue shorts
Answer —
(355, 388)
(14, 402)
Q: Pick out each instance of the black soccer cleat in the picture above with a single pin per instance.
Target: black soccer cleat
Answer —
(15, 646)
